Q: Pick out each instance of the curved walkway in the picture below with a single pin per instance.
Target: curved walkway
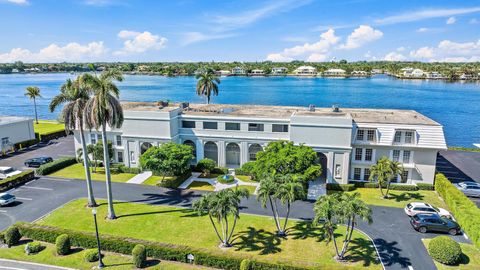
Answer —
(214, 182)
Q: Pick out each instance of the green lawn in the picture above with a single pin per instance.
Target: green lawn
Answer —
(77, 171)
(245, 178)
(154, 180)
(398, 198)
(198, 185)
(251, 189)
(254, 235)
(47, 126)
(470, 259)
(75, 260)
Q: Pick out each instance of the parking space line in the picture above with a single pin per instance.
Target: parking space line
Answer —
(3, 211)
(24, 199)
(39, 188)
(465, 236)
(55, 179)
(410, 267)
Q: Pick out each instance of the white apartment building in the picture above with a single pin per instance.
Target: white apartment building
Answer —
(305, 71)
(334, 72)
(348, 141)
(14, 129)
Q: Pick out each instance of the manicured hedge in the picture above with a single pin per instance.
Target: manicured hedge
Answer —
(393, 186)
(139, 256)
(220, 170)
(16, 180)
(62, 244)
(229, 179)
(465, 211)
(12, 236)
(34, 247)
(445, 250)
(24, 144)
(366, 184)
(56, 165)
(403, 187)
(162, 251)
(341, 187)
(424, 186)
(175, 182)
(50, 136)
(91, 255)
(121, 168)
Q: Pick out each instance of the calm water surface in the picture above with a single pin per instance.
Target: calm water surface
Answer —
(455, 105)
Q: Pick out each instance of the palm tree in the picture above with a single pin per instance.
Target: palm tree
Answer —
(397, 169)
(326, 211)
(72, 114)
(381, 173)
(207, 83)
(33, 92)
(220, 206)
(101, 110)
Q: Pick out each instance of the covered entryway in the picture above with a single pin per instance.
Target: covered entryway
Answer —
(144, 147)
(232, 155)
(317, 187)
(322, 160)
(210, 151)
(253, 149)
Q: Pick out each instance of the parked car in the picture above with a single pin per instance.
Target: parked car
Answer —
(6, 199)
(38, 161)
(433, 222)
(471, 189)
(425, 208)
(8, 172)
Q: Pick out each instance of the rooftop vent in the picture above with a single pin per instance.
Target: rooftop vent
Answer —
(184, 105)
(311, 108)
(227, 110)
(335, 108)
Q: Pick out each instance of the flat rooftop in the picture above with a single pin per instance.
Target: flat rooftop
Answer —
(383, 116)
(11, 119)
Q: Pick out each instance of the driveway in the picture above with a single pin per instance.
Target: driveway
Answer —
(460, 166)
(398, 244)
(58, 148)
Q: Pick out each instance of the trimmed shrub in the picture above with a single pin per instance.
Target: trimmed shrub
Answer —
(34, 247)
(62, 244)
(445, 250)
(245, 264)
(175, 182)
(246, 169)
(341, 187)
(465, 211)
(12, 236)
(366, 184)
(121, 168)
(16, 180)
(56, 165)
(25, 144)
(222, 180)
(139, 256)
(91, 255)
(425, 186)
(2, 238)
(205, 165)
(403, 187)
(220, 170)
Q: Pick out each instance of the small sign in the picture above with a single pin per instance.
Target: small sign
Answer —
(190, 258)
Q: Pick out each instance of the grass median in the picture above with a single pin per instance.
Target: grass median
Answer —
(77, 171)
(47, 126)
(254, 235)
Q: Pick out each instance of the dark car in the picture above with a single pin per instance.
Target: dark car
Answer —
(434, 222)
(36, 162)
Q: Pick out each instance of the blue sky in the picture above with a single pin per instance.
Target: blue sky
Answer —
(200, 30)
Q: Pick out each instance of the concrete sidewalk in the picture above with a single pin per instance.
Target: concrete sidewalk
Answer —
(140, 178)
(19, 265)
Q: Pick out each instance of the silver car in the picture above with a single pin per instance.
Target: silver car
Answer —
(471, 189)
(6, 199)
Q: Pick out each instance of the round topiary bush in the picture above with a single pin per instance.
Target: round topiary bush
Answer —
(12, 236)
(34, 247)
(206, 166)
(445, 250)
(139, 256)
(91, 255)
(225, 179)
(245, 264)
(62, 244)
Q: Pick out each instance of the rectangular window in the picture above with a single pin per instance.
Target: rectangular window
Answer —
(255, 127)
(396, 155)
(119, 140)
(93, 138)
(366, 174)
(371, 135)
(188, 124)
(368, 154)
(404, 177)
(398, 137)
(408, 137)
(406, 156)
(360, 134)
(279, 128)
(232, 126)
(357, 174)
(210, 125)
(120, 156)
(358, 154)
(4, 140)
(132, 156)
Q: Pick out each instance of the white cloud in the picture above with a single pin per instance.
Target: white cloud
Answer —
(451, 20)
(360, 36)
(424, 52)
(98, 3)
(317, 57)
(426, 14)
(474, 21)
(18, 2)
(55, 53)
(321, 47)
(138, 42)
(422, 29)
(449, 51)
(193, 37)
(401, 49)
(394, 56)
(278, 57)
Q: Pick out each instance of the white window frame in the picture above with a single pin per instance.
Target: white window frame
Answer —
(362, 174)
(400, 156)
(120, 154)
(365, 135)
(409, 177)
(117, 137)
(363, 155)
(132, 157)
(403, 133)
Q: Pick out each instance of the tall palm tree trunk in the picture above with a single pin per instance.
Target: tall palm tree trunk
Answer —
(286, 218)
(108, 180)
(91, 198)
(215, 227)
(35, 106)
(332, 234)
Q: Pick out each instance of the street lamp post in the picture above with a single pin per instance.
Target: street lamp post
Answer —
(100, 262)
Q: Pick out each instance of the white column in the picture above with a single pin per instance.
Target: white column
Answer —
(243, 152)
(346, 167)
(330, 168)
(221, 154)
(199, 149)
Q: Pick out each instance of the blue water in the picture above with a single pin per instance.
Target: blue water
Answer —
(455, 105)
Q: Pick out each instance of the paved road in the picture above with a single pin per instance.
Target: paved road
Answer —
(399, 245)
(18, 265)
(56, 149)
(460, 166)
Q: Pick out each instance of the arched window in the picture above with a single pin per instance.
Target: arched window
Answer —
(253, 149)
(144, 147)
(211, 151)
(192, 144)
(233, 154)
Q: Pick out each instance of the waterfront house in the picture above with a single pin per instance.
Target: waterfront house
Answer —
(279, 71)
(238, 71)
(412, 73)
(348, 141)
(223, 73)
(257, 72)
(305, 71)
(377, 71)
(434, 75)
(334, 72)
(359, 73)
(14, 130)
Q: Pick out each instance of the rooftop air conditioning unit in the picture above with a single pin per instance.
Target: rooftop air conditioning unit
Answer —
(311, 108)
(335, 108)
